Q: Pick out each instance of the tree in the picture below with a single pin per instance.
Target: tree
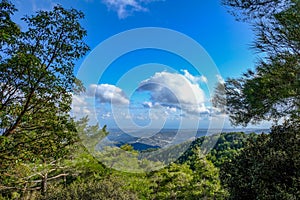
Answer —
(197, 178)
(272, 90)
(36, 85)
(104, 189)
(172, 182)
(268, 168)
(205, 183)
(37, 79)
(9, 30)
(25, 178)
(227, 146)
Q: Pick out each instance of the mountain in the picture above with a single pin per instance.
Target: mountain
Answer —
(166, 137)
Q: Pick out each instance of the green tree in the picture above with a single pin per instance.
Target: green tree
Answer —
(9, 31)
(197, 178)
(107, 188)
(172, 182)
(37, 81)
(268, 168)
(205, 183)
(227, 146)
(272, 90)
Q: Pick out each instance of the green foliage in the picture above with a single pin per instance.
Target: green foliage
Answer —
(197, 178)
(272, 90)
(90, 135)
(37, 78)
(206, 183)
(47, 176)
(125, 159)
(227, 146)
(139, 183)
(36, 81)
(9, 31)
(172, 182)
(167, 154)
(36, 84)
(268, 168)
(108, 188)
(249, 10)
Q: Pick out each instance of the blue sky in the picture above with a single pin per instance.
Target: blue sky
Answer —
(154, 88)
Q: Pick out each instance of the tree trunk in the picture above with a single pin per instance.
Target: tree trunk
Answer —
(44, 184)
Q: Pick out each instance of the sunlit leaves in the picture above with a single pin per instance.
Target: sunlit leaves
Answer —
(272, 90)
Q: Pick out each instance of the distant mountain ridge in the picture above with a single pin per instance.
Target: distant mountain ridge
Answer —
(165, 136)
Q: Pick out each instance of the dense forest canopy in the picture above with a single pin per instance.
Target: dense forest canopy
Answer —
(268, 167)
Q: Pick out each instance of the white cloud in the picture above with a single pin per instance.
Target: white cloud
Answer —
(148, 104)
(174, 90)
(84, 104)
(220, 79)
(124, 8)
(81, 107)
(106, 115)
(79, 100)
(106, 93)
(172, 109)
(194, 79)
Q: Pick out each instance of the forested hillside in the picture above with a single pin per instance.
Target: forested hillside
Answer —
(228, 145)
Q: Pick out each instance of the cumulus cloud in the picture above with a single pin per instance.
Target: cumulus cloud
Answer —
(174, 90)
(85, 104)
(124, 8)
(81, 107)
(194, 79)
(106, 93)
